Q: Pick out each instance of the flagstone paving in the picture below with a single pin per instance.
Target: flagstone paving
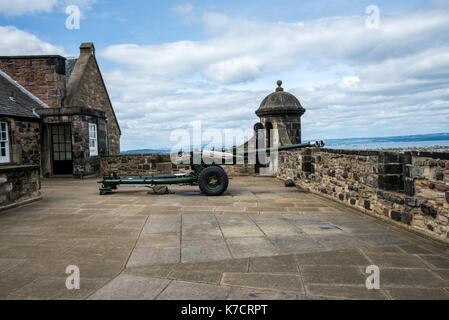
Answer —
(260, 240)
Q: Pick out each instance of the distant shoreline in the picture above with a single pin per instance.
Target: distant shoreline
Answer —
(435, 141)
(400, 145)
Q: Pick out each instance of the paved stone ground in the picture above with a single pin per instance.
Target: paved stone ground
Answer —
(258, 241)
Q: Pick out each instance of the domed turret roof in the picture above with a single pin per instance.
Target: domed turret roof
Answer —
(280, 102)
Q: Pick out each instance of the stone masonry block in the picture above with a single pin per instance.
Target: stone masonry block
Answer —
(391, 182)
(412, 202)
(406, 217)
(394, 168)
(428, 210)
(396, 215)
(409, 187)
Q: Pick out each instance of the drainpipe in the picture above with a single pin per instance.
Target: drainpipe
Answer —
(107, 134)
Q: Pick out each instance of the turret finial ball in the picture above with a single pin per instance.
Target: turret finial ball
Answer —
(279, 83)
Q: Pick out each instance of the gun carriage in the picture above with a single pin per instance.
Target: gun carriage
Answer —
(208, 175)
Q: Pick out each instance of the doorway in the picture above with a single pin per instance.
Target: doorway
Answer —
(61, 147)
(268, 128)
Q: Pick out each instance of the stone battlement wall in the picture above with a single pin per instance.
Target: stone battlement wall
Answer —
(427, 190)
(408, 187)
(153, 163)
(139, 164)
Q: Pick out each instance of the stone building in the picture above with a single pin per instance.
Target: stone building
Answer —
(86, 88)
(282, 111)
(20, 143)
(77, 120)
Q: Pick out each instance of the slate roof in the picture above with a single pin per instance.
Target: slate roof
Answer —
(16, 100)
(69, 65)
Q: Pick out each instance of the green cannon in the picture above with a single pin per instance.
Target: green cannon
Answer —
(208, 174)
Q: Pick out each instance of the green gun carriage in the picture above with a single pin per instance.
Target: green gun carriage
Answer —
(210, 177)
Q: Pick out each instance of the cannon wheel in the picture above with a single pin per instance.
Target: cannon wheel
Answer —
(213, 181)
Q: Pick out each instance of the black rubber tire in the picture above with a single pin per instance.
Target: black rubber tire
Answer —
(210, 172)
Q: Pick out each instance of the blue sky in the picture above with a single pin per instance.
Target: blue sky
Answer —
(167, 63)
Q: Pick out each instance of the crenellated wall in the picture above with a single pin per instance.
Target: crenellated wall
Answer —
(408, 187)
(427, 190)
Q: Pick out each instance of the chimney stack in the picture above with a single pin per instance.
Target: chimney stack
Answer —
(87, 48)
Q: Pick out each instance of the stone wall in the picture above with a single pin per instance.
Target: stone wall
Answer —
(400, 186)
(427, 191)
(153, 163)
(239, 169)
(18, 184)
(43, 76)
(287, 126)
(137, 164)
(25, 140)
(83, 163)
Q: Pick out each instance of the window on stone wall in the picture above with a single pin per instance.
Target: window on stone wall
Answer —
(4, 142)
(93, 141)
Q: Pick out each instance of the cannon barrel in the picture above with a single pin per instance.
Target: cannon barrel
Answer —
(317, 143)
(231, 157)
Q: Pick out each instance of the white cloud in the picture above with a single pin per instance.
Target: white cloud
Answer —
(350, 82)
(186, 12)
(14, 41)
(23, 7)
(183, 9)
(389, 81)
(20, 7)
(215, 22)
(235, 70)
(279, 46)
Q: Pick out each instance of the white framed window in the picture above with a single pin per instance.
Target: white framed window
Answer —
(93, 141)
(4, 142)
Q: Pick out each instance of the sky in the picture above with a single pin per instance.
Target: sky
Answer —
(168, 63)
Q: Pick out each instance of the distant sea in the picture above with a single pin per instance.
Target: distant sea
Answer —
(402, 142)
(390, 145)
(433, 140)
